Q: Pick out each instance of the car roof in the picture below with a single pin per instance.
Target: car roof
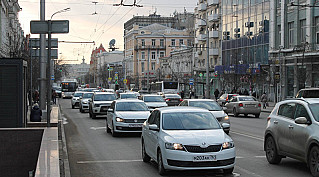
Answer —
(173, 109)
(307, 100)
(200, 100)
(128, 100)
(309, 89)
(103, 93)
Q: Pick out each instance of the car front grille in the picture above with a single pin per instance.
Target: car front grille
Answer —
(104, 108)
(218, 163)
(198, 149)
(134, 120)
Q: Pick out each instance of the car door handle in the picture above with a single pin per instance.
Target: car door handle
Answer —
(275, 122)
(291, 127)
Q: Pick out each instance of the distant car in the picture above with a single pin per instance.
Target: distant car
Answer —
(84, 101)
(108, 90)
(222, 100)
(100, 103)
(58, 90)
(243, 105)
(154, 101)
(173, 99)
(75, 100)
(292, 131)
(308, 93)
(127, 96)
(187, 138)
(210, 105)
(126, 115)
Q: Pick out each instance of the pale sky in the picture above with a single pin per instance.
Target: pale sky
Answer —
(102, 27)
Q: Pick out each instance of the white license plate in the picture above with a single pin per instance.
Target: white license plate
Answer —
(135, 125)
(203, 158)
(250, 105)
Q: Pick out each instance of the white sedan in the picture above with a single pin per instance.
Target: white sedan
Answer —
(186, 138)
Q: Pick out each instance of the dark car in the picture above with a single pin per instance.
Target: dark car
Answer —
(173, 99)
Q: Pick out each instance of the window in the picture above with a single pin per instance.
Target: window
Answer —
(153, 42)
(173, 42)
(162, 54)
(143, 55)
(181, 42)
(287, 110)
(153, 55)
(291, 34)
(142, 67)
(303, 30)
(153, 66)
(162, 42)
(301, 111)
(143, 42)
(189, 42)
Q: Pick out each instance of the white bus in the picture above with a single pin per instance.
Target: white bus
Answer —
(164, 87)
(68, 87)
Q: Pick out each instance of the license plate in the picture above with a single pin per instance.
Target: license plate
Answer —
(203, 158)
(250, 105)
(135, 125)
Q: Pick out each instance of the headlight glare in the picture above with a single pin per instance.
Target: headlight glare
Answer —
(228, 145)
(226, 118)
(84, 102)
(174, 146)
(118, 119)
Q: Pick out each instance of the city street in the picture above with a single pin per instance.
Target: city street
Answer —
(92, 152)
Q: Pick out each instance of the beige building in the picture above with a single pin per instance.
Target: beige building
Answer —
(145, 46)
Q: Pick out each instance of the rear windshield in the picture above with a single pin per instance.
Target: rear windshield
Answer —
(315, 110)
(153, 99)
(310, 94)
(104, 97)
(246, 99)
(210, 105)
(123, 96)
(172, 96)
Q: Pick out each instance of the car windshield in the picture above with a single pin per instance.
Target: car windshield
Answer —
(77, 94)
(104, 97)
(153, 99)
(189, 121)
(123, 96)
(311, 94)
(246, 99)
(172, 96)
(210, 105)
(87, 95)
(315, 110)
(131, 106)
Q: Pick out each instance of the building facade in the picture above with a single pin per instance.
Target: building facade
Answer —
(94, 64)
(294, 51)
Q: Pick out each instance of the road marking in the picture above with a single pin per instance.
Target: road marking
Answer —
(248, 135)
(97, 128)
(109, 161)
(261, 156)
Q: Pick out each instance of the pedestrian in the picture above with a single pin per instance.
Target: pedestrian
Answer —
(254, 94)
(216, 93)
(182, 94)
(36, 113)
(264, 99)
(54, 95)
(246, 92)
(36, 96)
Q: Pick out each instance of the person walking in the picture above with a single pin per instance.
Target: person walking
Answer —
(54, 95)
(36, 96)
(216, 93)
(246, 92)
(182, 94)
(264, 99)
(36, 113)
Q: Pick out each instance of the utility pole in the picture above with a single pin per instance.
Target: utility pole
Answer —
(42, 59)
(207, 61)
(148, 70)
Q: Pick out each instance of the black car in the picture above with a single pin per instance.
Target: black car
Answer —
(173, 99)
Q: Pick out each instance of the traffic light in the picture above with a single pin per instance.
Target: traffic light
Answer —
(108, 68)
(60, 69)
(215, 74)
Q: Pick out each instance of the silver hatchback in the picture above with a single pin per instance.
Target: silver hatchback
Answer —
(243, 105)
(292, 130)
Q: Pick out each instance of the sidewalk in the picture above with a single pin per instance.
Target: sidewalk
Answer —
(269, 108)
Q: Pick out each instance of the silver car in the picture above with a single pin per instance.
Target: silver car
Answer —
(100, 103)
(154, 101)
(75, 100)
(126, 115)
(292, 130)
(212, 106)
(243, 105)
(222, 100)
(84, 101)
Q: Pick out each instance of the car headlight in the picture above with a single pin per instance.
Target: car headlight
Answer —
(228, 145)
(226, 118)
(85, 102)
(118, 119)
(174, 146)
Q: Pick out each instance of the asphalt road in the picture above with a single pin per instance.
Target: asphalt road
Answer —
(94, 153)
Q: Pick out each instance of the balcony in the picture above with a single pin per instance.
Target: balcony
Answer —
(212, 2)
(144, 47)
(201, 37)
(201, 22)
(214, 52)
(213, 34)
(202, 7)
(214, 17)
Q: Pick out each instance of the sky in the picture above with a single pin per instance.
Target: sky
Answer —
(99, 22)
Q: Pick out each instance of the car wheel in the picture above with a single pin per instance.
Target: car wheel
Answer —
(114, 134)
(90, 114)
(257, 115)
(72, 106)
(228, 171)
(93, 115)
(161, 169)
(235, 112)
(313, 161)
(145, 157)
(108, 130)
(271, 151)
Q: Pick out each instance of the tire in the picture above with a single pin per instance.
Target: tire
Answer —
(114, 134)
(271, 151)
(235, 112)
(227, 132)
(228, 171)
(257, 115)
(313, 161)
(108, 130)
(146, 158)
(161, 169)
(93, 115)
(72, 106)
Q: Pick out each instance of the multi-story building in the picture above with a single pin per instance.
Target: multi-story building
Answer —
(245, 44)
(94, 63)
(82, 70)
(294, 46)
(207, 45)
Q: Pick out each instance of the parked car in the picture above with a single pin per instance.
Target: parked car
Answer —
(308, 93)
(84, 101)
(292, 131)
(243, 105)
(126, 115)
(108, 90)
(187, 138)
(75, 100)
(173, 99)
(154, 101)
(210, 105)
(127, 96)
(222, 100)
(100, 103)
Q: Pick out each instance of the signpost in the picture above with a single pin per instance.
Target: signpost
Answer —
(125, 81)
(191, 81)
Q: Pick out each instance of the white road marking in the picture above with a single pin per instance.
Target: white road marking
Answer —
(248, 135)
(262, 156)
(109, 161)
(97, 128)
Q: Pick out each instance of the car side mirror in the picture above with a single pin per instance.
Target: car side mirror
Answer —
(301, 120)
(89, 100)
(80, 97)
(110, 110)
(225, 126)
(154, 127)
(224, 108)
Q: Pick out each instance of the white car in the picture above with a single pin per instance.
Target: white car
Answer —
(127, 96)
(75, 100)
(100, 103)
(187, 138)
(84, 101)
(126, 115)
(154, 101)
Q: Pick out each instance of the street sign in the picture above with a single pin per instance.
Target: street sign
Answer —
(191, 80)
(35, 43)
(125, 81)
(116, 72)
(191, 83)
(116, 77)
(109, 79)
(111, 68)
(52, 77)
(36, 53)
(200, 74)
(42, 27)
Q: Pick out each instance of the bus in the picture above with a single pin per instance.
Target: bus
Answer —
(68, 87)
(164, 87)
